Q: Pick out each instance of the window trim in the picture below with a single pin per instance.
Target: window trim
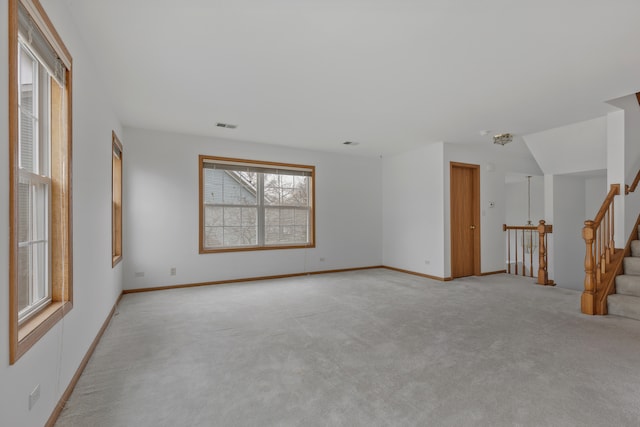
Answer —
(312, 217)
(116, 223)
(23, 336)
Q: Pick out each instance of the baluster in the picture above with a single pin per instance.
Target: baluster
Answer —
(605, 240)
(587, 301)
(612, 245)
(597, 258)
(543, 277)
(530, 253)
(515, 244)
(509, 250)
(524, 256)
(603, 246)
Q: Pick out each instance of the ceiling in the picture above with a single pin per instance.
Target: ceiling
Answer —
(388, 74)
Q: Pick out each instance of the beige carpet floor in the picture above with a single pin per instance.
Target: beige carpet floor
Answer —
(363, 348)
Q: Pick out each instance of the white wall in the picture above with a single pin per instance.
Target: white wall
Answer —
(568, 210)
(623, 162)
(569, 201)
(161, 212)
(632, 162)
(413, 211)
(494, 166)
(615, 168)
(574, 148)
(516, 201)
(417, 210)
(55, 358)
(596, 190)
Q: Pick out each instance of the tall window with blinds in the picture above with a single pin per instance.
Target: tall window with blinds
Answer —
(40, 174)
(250, 205)
(34, 186)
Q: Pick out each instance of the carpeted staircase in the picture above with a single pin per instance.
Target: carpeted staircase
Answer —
(626, 301)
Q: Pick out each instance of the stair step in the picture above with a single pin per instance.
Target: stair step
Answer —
(631, 265)
(628, 285)
(635, 248)
(624, 305)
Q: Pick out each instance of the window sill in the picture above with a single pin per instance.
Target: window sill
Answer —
(30, 332)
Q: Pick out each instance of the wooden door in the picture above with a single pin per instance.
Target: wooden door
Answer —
(465, 220)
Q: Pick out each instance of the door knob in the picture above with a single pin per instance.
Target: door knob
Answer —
(473, 227)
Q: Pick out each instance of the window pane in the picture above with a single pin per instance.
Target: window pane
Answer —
(213, 237)
(249, 216)
(40, 212)
(24, 210)
(272, 235)
(28, 110)
(230, 226)
(33, 275)
(229, 187)
(33, 240)
(239, 236)
(301, 217)
(232, 217)
(300, 233)
(211, 186)
(213, 215)
(24, 277)
(282, 189)
(41, 272)
(27, 151)
(285, 225)
(28, 72)
(301, 191)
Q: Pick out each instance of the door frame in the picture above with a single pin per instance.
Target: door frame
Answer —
(477, 269)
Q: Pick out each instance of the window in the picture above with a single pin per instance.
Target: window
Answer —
(116, 200)
(40, 175)
(250, 205)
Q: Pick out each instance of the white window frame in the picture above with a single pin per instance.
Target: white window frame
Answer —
(261, 167)
(39, 181)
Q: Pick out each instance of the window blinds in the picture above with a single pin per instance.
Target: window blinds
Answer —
(248, 167)
(33, 37)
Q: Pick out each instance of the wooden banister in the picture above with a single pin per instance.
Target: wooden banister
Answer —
(543, 275)
(631, 188)
(517, 239)
(601, 262)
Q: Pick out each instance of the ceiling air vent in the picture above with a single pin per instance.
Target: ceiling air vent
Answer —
(226, 125)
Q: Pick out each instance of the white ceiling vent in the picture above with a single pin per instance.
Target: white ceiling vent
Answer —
(226, 125)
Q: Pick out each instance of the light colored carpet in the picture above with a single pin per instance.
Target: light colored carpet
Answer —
(365, 348)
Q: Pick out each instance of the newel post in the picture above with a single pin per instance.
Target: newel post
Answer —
(543, 276)
(589, 295)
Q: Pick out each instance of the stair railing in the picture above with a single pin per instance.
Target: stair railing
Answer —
(523, 240)
(600, 248)
(602, 262)
(631, 188)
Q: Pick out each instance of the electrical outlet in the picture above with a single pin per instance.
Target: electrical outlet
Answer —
(427, 262)
(322, 259)
(34, 396)
(139, 274)
(172, 271)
